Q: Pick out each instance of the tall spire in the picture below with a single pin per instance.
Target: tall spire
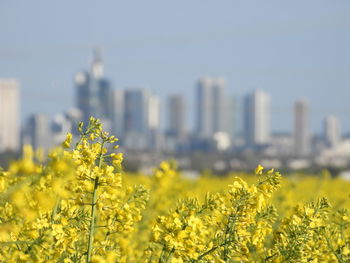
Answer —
(97, 64)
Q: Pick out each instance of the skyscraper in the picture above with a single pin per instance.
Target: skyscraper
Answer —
(38, 132)
(136, 110)
(211, 107)
(204, 108)
(154, 133)
(118, 110)
(302, 136)
(9, 115)
(237, 120)
(332, 131)
(94, 93)
(257, 118)
(136, 118)
(176, 115)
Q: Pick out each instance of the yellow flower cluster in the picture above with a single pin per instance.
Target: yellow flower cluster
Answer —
(70, 208)
(73, 206)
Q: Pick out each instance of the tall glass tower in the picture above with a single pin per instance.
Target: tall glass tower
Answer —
(94, 95)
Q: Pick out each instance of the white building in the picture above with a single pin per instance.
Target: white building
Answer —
(118, 113)
(211, 107)
(155, 136)
(153, 113)
(302, 136)
(257, 118)
(332, 131)
(9, 115)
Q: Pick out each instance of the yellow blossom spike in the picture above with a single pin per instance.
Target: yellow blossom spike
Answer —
(259, 169)
(68, 140)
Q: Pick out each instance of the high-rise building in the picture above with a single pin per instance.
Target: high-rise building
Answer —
(237, 120)
(302, 135)
(155, 136)
(211, 107)
(9, 115)
(38, 132)
(257, 118)
(94, 93)
(204, 108)
(118, 110)
(136, 110)
(332, 131)
(153, 113)
(176, 115)
(136, 119)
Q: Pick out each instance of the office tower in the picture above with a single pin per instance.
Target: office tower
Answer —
(176, 116)
(118, 105)
(237, 120)
(332, 131)
(211, 107)
(136, 110)
(204, 108)
(155, 137)
(302, 138)
(219, 114)
(94, 92)
(153, 113)
(9, 115)
(38, 132)
(136, 119)
(257, 118)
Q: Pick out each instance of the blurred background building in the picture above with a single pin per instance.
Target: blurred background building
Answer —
(302, 135)
(9, 115)
(225, 124)
(257, 118)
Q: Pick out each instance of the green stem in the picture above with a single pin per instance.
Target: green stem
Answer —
(160, 260)
(93, 209)
(92, 222)
(170, 256)
(228, 226)
(54, 211)
(211, 250)
(332, 249)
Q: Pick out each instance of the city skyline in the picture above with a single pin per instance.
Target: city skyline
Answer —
(290, 50)
(135, 113)
(95, 95)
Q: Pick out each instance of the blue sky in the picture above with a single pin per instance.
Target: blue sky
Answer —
(291, 49)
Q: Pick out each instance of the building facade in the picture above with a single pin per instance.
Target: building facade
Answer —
(94, 94)
(211, 116)
(136, 119)
(118, 111)
(9, 115)
(176, 115)
(38, 132)
(302, 135)
(332, 131)
(257, 118)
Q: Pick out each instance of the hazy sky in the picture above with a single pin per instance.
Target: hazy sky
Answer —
(291, 49)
